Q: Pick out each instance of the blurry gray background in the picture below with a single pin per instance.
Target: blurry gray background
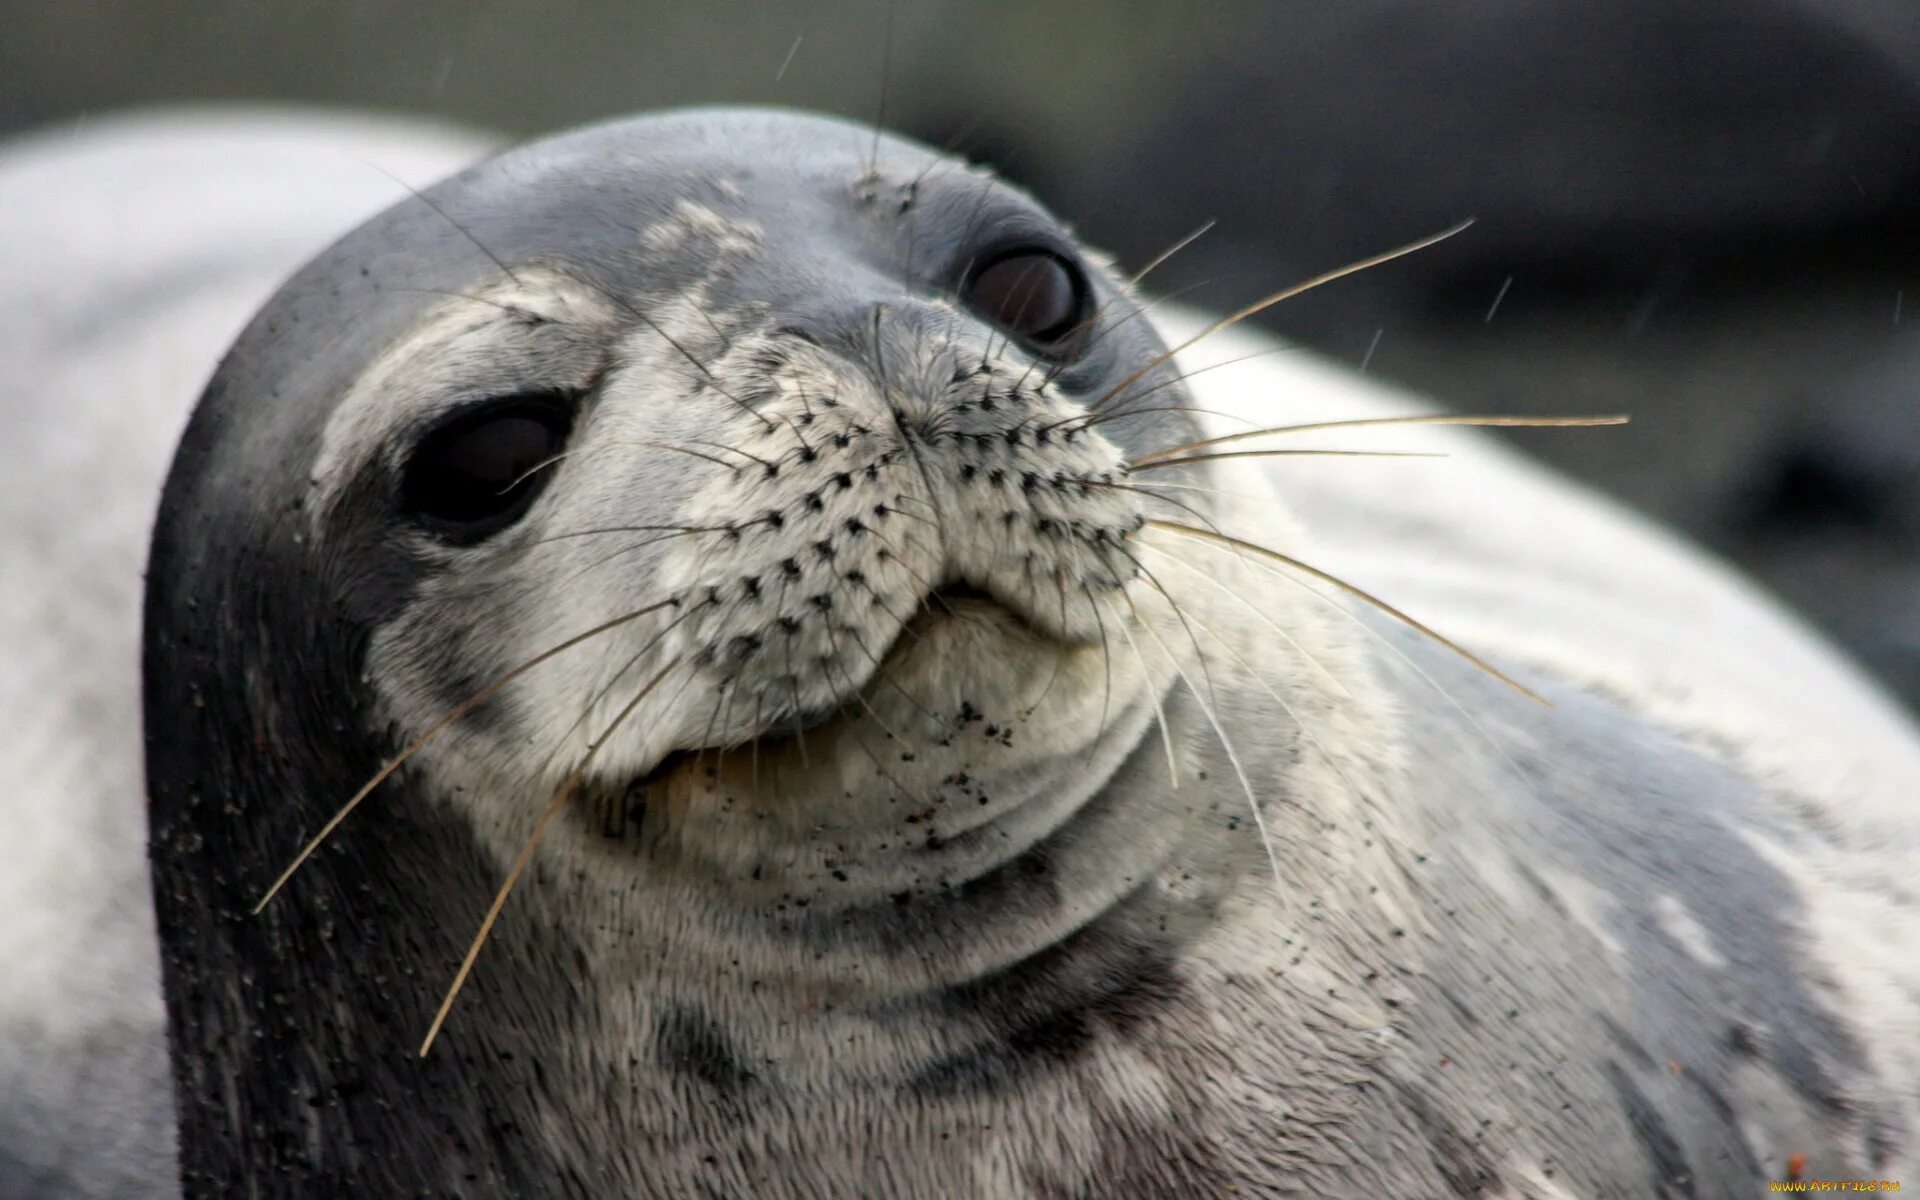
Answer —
(1706, 214)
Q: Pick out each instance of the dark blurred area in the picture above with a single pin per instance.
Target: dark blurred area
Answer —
(1706, 214)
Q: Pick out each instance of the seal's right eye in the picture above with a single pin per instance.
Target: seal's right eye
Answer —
(1033, 294)
(479, 471)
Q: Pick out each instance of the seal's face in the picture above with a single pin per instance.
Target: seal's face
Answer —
(817, 434)
(763, 487)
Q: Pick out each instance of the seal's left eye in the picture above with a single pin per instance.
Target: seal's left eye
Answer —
(1033, 294)
(479, 472)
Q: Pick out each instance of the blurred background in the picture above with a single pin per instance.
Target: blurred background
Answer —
(1704, 213)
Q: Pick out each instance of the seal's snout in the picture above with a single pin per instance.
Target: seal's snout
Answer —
(864, 490)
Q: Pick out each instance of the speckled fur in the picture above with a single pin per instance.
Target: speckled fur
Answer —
(1163, 873)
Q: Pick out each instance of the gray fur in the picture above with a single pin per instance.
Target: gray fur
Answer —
(1009, 923)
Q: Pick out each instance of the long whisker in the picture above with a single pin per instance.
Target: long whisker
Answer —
(631, 310)
(1106, 661)
(466, 706)
(1140, 309)
(1090, 419)
(884, 678)
(1127, 289)
(1306, 730)
(769, 465)
(1200, 458)
(442, 213)
(1175, 606)
(1133, 281)
(1355, 591)
(1152, 488)
(1483, 421)
(1287, 293)
(600, 694)
(1387, 644)
(1279, 629)
(560, 797)
(510, 309)
(1226, 744)
(550, 460)
(669, 531)
(858, 693)
(1153, 694)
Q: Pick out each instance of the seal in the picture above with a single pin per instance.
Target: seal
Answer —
(932, 761)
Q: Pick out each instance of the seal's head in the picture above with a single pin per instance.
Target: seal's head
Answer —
(809, 446)
(832, 419)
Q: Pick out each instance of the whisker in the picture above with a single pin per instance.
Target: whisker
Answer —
(1484, 421)
(1150, 488)
(525, 856)
(671, 532)
(1287, 293)
(1257, 611)
(544, 463)
(767, 463)
(1355, 591)
(1153, 694)
(462, 709)
(1306, 731)
(600, 694)
(788, 60)
(1088, 422)
(886, 679)
(1226, 744)
(628, 307)
(859, 693)
(621, 551)
(1106, 663)
(1127, 289)
(466, 233)
(726, 343)
(1178, 611)
(678, 449)
(1090, 419)
(1190, 459)
(799, 729)
(1140, 309)
(886, 75)
(1347, 614)
(1133, 281)
(510, 309)
(753, 746)
(729, 692)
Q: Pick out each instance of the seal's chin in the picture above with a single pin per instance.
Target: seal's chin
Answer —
(953, 620)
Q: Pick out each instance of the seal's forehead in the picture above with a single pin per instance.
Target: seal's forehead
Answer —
(769, 143)
(776, 162)
(798, 178)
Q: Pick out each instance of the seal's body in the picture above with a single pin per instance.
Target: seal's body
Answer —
(949, 792)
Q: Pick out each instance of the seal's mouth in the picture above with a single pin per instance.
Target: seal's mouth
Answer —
(962, 591)
(955, 601)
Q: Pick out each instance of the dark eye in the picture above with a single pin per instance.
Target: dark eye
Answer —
(1035, 295)
(478, 472)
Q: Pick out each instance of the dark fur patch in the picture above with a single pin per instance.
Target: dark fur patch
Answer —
(1048, 1011)
(690, 1043)
(1672, 1175)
